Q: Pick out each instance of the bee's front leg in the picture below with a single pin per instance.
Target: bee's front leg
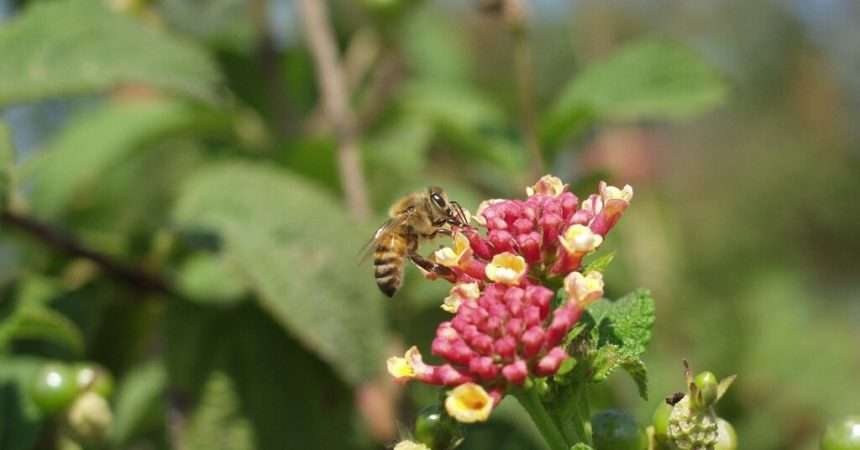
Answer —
(432, 267)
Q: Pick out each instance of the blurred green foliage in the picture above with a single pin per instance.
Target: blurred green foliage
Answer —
(192, 147)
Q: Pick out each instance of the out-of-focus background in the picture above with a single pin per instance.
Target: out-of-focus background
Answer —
(173, 200)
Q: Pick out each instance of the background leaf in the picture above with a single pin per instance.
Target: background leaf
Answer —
(296, 248)
(7, 161)
(71, 47)
(647, 80)
(73, 163)
(18, 415)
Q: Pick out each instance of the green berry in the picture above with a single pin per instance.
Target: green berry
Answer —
(660, 421)
(617, 430)
(54, 388)
(842, 435)
(95, 378)
(727, 439)
(708, 387)
(435, 429)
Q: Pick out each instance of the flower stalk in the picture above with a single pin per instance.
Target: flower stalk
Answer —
(530, 399)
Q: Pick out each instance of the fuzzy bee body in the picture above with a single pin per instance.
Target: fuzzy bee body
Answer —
(414, 218)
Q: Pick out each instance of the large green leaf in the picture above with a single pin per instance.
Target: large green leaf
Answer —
(75, 161)
(650, 80)
(247, 379)
(297, 249)
(70, 47)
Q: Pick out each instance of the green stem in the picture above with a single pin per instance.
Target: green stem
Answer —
(529, 398)
(573, 414)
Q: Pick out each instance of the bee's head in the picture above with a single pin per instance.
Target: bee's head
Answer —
(444, 211)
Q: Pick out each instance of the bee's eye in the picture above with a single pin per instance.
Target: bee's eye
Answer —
(438, 200)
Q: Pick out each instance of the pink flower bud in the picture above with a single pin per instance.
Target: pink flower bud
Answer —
(549, 364)
(481, 343)
(529, 248)
(484, 367)
(516, 372)
(501, 240)
(532, 339)
(522, 225)
(506, 346)
(551, 225)
(569, 202)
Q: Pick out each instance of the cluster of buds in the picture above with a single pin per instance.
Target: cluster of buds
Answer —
(505, 328)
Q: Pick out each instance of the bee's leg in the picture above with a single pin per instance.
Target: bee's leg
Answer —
(432, 267)
(461, 216)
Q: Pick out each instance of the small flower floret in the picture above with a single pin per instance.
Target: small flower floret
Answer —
(469, 403)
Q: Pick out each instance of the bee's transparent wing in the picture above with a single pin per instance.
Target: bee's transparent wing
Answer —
(368, 248)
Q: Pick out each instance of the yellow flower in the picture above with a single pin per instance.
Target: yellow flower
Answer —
(547, 185)
(407, 367)
(450, 257)
(506, 268)
(584, 289)
(469, 403)
(460, 293)
(613, 193)
(580, 239)
(479, 215)
(409, 445)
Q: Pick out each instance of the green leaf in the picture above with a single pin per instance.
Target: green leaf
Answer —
(606, 360)
(218, 422)
(72, 47)
(138, 402)
(7, 161)
(581, 446)
(651, 80)
(38, 322)
(296, 246)
(33, 319)
(600, 264)
(19, 418)
(75, 161)
(637, 370)
(247, 378)
(626, 322)
(213, 279)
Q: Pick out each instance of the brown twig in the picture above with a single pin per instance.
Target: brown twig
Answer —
(515, 15)
(335, 96)
(65, 243)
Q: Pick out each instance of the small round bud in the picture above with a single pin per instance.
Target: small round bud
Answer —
(435, 429)
(727, 439)
(842, 435)
(95, 378)
(54, 388)
(617, 430)
(707, 384)
(89, 418)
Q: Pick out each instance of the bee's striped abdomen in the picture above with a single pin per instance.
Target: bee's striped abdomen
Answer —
(388, 262)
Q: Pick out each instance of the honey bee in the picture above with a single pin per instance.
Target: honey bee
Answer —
(415, 218)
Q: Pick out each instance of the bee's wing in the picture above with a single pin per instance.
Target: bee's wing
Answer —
(368, 248)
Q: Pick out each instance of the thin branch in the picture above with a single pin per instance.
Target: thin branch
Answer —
(515, 15)
(332, 83)
(65, 243)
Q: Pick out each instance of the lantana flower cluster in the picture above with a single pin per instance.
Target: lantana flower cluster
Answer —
(505, 326)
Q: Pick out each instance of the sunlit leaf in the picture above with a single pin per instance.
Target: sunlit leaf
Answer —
(297, 248)
(72, 164)
(647, 80)
(73, 47)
